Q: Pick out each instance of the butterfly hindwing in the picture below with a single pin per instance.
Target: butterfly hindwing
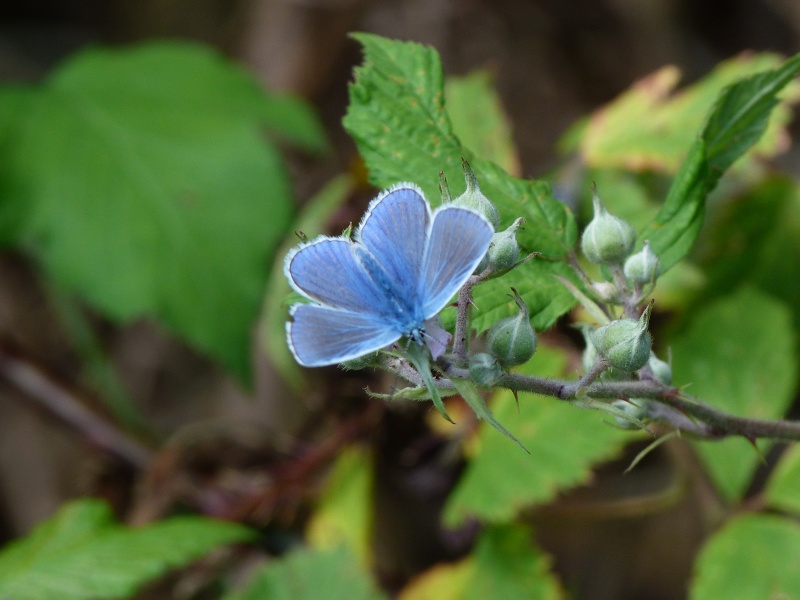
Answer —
(320, 336)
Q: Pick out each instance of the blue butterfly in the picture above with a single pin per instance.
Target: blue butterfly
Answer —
(402, 268)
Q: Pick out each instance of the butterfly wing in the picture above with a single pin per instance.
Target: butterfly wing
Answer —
(457, 242)
(320, 336)
(394, 230)
(326, 270)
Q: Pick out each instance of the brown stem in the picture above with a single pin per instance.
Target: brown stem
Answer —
(709, 422)
(64, 405)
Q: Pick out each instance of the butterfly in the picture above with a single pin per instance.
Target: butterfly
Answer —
(402, 266)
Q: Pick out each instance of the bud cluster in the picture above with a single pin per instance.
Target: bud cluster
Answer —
(621, 348)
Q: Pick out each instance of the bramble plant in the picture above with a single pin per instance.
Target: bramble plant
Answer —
(659, 308)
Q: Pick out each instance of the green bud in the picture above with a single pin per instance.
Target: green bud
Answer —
(512, 341)
(589, 356)
(474, 199)
(625, 343)
(642, 267)
(503, 252)
(607, 239)
(636, 408)
(484, 368)
(661, 370)
(606, 291)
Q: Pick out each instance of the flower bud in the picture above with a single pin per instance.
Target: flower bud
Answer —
(503, 251)
(606, 291)
(512, 341)
(642, 267)
(625, 343)
(484, 368)
(589, 356)
(473, 198)
(636, 408)
(606, 239)
(661, 370)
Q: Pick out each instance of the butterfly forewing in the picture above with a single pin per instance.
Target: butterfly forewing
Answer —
(394, 230)
(321, 336)
(327, 271)
(458, 241)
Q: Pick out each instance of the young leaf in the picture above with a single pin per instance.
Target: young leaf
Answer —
(500, 480)
(751, 557)
(141, 181)
(736, 122)
(311, 575)
(82, 554)
(738, 354)
(398, 119)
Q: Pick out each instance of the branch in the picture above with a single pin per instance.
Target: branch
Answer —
(687, 413)
(64, 405)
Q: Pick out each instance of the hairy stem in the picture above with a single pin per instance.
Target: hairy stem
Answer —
(688, 414)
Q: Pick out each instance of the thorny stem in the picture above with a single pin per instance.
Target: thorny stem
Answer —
(689, 413)
(680, 410)
(462, 315)
(674, 407)
(462, 320)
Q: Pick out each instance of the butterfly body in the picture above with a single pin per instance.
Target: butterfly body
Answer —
(403, 266)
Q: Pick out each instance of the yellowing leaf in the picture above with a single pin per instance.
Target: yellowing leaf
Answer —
(344, 512)
(649, 127)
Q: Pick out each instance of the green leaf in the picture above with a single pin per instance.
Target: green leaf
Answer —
(311, 575)
(783, 488)
(738, 354)
(564, 443)
(82, 554)
(344, 512)
(755, 238)
(736, 122)
(479, 121)
(504, 564)
(507, 565)
(145, 185)
(398, 119)
(751, 557)
(537, 282)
